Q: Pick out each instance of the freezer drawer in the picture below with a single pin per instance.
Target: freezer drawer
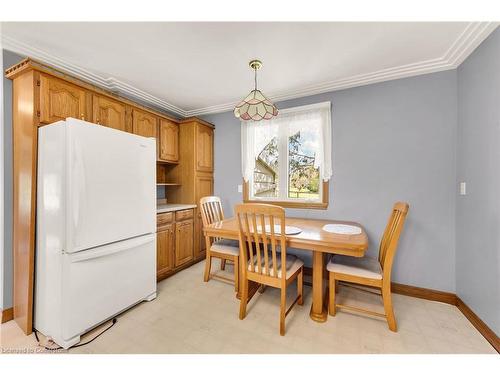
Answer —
(99, 283)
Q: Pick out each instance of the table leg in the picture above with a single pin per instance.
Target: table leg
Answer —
(319, 312)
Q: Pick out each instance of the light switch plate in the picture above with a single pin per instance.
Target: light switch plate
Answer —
(463, 188)
(240, 188)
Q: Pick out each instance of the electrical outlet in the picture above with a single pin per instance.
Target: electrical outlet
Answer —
(463, 188)
(240, 188)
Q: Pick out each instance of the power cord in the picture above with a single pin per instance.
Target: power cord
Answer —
(78, 345)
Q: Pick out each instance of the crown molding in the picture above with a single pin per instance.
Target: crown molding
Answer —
(462, 47)
(108, 83)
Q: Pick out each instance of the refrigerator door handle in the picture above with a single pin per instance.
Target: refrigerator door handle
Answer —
(113, 248)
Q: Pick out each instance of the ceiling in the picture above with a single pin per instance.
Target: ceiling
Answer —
(196, 68)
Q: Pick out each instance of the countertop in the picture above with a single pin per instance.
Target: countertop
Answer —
(170, 207)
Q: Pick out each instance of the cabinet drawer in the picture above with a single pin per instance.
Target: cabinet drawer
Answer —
(183, 215)
(165, 218)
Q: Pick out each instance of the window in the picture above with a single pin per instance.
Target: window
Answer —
(287, 160)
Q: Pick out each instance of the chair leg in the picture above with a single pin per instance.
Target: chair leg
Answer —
(244, 299)
(222, 264)
(389, 312)
(282, 311)
(236, 274)
(208, 266)
(300, 286)
(331, 303)
(262, 288)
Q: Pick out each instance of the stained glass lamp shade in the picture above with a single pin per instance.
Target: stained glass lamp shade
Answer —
(255, 106)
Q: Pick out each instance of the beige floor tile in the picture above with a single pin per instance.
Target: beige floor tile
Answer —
(191, 316)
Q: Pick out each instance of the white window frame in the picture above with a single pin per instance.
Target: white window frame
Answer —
(283, 162)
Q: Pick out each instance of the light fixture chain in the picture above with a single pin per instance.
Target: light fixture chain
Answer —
(255, 77)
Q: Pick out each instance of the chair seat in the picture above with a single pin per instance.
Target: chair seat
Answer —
(362, 267)
(292, 264)
(225, 246)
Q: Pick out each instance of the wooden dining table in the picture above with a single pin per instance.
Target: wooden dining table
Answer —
(311, 238)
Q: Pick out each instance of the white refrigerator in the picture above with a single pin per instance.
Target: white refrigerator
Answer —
(96, 224)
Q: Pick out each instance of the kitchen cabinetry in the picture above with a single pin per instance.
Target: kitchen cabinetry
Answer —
(194, 172)
(204, 148)
(204, 187)
(42, 95)
(144, 123)
(168, 141)
(183, 242)
(109, 112)
(174, 242)
(165, 246)
(60, 99)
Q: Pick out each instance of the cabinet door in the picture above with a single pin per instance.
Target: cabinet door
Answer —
(164, 250)
(144, 123)
(169, 141)
(204, 148)
(60, 99)
(204, 187)
(108, 112)
(183, 242)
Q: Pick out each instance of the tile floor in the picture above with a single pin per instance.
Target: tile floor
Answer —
(190, 316)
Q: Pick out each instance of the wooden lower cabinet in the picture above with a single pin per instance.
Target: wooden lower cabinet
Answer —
(204, 187)
(165, 247)
(174, 242)
(183, 242)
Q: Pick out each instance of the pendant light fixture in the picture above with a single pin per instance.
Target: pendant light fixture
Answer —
(255, 106)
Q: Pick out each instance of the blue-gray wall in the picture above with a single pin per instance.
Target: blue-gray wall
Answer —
(478, 212)
(391, 141)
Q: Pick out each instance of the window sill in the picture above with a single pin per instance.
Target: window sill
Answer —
(323, 205)
(288, 204)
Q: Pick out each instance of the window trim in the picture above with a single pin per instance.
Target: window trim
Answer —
(322, 205)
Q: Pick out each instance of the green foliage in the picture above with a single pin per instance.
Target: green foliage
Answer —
(303, 177)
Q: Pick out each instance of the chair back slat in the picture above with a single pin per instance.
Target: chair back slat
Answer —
(211, 211)
(258, 246)
(273, 245)
(390, 238)
(256, 243)
(265, 246)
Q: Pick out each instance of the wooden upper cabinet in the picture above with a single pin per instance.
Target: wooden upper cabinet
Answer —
(144, 123)
(168, 141)
(108, 112)
(60, 99)
(204, 148)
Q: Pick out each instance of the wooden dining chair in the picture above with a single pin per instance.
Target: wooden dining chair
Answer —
(371, 272)
(221, 248)
(263, 255)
